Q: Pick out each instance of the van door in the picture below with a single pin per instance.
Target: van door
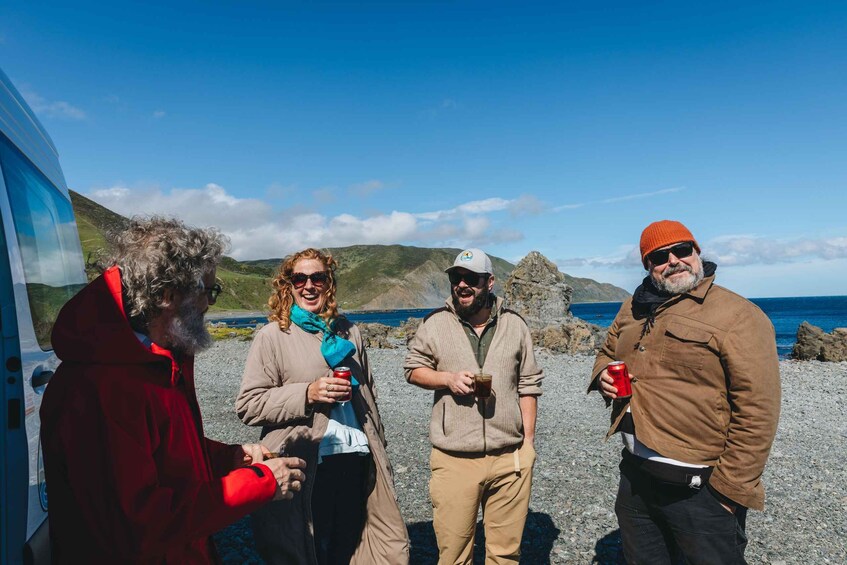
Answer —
(13, 438)
(41, 268)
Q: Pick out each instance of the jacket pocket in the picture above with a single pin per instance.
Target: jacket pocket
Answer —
(443, 420)
(686, 345)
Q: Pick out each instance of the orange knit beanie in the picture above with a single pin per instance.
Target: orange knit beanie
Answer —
(662, 233)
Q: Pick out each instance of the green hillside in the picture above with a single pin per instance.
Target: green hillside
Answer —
(589, 290)
(245, 288)
(370, 277)
(387, 277)
(93, 222)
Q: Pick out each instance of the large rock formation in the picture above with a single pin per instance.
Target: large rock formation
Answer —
(814, 343)
(574, 337)
(376, 336)
(380, 336)
(538, 292)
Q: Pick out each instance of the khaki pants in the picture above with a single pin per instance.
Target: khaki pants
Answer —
(460, 483)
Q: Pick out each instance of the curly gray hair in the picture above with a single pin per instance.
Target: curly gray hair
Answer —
(157, 254)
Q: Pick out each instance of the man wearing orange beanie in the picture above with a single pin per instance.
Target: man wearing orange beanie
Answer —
(699, 425)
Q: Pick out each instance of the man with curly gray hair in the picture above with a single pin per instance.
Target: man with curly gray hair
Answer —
(159, 258)
(132, 477)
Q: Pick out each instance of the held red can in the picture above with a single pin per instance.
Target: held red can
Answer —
(620, 378)
(346, 374)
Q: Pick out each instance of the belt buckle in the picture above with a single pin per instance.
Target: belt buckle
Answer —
(694, 481)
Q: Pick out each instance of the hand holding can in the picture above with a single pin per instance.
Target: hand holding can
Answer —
(346, 374)
(620, 378)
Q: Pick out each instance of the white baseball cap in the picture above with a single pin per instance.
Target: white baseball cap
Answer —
(474, 260)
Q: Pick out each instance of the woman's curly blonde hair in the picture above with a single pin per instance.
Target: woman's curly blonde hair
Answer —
(283, 294)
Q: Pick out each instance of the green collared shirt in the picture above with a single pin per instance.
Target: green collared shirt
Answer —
(480, 343)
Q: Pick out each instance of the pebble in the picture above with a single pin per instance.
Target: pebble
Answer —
(571, 516)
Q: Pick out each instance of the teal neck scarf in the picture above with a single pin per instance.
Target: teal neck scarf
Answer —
(334, 349)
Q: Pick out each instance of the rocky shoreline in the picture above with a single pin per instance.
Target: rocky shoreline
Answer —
(571, 514)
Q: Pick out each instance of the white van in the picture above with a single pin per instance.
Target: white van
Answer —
(41, 267)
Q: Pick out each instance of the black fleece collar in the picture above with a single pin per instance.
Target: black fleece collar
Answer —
(647, 297)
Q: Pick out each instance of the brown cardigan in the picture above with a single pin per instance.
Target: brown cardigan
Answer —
(279, 368)
(458, 423)
(706, 388)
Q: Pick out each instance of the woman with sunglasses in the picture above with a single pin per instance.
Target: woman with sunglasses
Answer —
(348, 511)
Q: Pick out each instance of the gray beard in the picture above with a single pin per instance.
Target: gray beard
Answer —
(480, 301)
(187, 331)
(679, 286)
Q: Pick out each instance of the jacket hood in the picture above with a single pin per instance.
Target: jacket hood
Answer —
(93, 328)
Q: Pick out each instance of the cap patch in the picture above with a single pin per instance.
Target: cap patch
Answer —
(466, 256)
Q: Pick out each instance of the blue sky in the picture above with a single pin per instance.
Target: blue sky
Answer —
(564, 128)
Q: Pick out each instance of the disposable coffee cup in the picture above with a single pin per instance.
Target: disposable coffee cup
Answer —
(482, 385)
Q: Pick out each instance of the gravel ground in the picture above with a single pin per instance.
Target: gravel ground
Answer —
(571, 514)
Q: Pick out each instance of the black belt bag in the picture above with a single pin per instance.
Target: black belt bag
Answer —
(691, 477)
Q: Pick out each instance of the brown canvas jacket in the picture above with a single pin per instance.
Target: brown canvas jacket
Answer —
(279, 368)
(706, 388)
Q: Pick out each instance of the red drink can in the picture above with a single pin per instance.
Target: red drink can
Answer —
(346, 374)
(620, 378)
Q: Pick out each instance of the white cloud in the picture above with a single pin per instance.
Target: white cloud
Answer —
(733, 251)
(751, 250)
(51, 109)
(623, 198)
(258, 231)
(324, 195)
(279, 191)
(627, 257)
(159, 114)
(365, 189)
(473, 207)
(526, 205)
(207, 206)
(445, 105)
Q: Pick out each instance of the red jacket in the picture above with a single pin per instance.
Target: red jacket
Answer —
(131, 477)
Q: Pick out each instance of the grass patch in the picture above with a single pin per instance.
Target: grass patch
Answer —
(220, 333)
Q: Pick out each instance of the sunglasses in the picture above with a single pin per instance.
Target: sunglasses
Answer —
(471, 279)
(212, 292)
(298, 280)
(680, 251)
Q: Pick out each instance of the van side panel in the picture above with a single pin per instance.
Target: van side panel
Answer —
(41, 267)
(13, 440)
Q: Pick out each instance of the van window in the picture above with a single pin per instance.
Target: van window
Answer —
(47, 238)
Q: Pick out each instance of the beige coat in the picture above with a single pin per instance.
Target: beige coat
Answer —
(461, 423)
(279, 368)
(707, 387)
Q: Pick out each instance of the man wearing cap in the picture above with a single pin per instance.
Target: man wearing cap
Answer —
(704, 408)
(482, 448)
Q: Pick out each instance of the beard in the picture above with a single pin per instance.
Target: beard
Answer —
(479, 302)
(681, 284)
(187, 330)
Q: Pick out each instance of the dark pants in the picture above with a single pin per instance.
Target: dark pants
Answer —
(338, 506)
(664, 524)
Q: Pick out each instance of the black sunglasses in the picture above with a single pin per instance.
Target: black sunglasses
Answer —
(298, 280)
(680, 251)
(212, 292)
(471, 279)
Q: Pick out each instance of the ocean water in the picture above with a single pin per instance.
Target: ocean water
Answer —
(393, 318)
(786, 314)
